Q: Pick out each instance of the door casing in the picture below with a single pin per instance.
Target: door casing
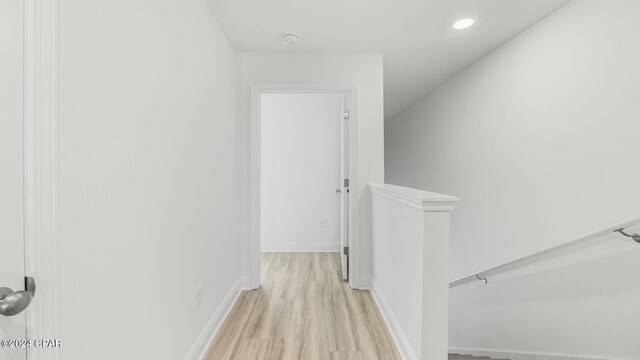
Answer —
(41, 189)
(254, 280)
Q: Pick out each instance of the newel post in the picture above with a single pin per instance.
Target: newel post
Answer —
(436, 232)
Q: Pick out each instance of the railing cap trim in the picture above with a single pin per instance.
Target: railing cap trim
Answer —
(424, 199)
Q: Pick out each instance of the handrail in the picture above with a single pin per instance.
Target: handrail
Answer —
(482, 275)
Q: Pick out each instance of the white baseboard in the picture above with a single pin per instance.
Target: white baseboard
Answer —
(201, 345)
(300, 247)
(402, 343)
(497, 354)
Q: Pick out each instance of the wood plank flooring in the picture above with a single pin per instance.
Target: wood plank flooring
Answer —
(304, 310)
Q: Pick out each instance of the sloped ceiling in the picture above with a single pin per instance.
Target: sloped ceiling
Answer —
(420, 48)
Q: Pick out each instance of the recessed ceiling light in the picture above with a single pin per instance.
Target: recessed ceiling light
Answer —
(462, 23)
(290, 38)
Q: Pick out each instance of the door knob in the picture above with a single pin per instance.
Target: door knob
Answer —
(14, 302)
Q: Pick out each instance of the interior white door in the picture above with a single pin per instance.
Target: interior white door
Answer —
(12, 263)
(344, 184)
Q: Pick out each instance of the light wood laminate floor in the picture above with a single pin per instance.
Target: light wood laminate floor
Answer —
(304, 310)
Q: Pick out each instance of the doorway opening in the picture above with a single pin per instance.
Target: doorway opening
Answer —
(302, 174)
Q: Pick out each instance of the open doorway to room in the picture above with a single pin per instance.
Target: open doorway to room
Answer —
(303, 186)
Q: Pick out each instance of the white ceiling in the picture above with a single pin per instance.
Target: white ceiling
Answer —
(420, 48)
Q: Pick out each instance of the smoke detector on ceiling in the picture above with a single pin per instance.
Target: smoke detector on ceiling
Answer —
(290, 38)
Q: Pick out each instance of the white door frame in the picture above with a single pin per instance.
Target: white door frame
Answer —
(254, 246)
(41, 34)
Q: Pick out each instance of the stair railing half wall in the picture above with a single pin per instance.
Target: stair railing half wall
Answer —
(410, 252)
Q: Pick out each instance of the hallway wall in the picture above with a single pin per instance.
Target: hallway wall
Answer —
(540, 140)
(147, 176)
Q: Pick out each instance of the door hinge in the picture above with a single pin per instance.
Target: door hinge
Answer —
(345, 251)
(346, 183)
(345, 115)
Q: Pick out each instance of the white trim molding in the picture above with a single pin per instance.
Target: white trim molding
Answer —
(398, 335)
(42, 240)
(365, 283)
(514, 355)
(254, 240)
(419, 199)
(200, 347)
(300, 247)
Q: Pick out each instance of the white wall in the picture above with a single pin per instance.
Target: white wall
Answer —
(539, 139)
(363, 70)
(300, 149)
(147, 176)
